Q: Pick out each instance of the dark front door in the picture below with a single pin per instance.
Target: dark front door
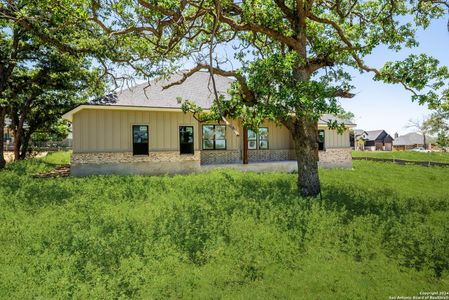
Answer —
(140, 140)
(186, 139)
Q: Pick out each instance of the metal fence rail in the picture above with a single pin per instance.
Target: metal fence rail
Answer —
(403, 162)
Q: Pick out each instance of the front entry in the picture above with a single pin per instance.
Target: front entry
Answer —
(140, 139)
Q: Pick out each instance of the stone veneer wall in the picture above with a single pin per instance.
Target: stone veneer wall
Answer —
(268, 155)
(171, 162)
(125, 157)
(124, 163)
(336, 158)
(211, 157)
(331, 157)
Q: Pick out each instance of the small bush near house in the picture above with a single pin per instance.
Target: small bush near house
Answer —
(379, 230)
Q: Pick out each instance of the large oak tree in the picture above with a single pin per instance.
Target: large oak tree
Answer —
(44, 47)
(293, 55)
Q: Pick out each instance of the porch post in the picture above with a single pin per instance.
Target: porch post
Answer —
(245, 145)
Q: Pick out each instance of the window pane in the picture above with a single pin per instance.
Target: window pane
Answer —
(251, 135)
(186, 140)
(263, 133)
(208, 144)
(252, 145)
(220, 144)
(263, 144)
(140, 134)
(220, 131)
(208, 132)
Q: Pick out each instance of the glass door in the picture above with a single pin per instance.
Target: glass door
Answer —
(186, 139)
(140, 139)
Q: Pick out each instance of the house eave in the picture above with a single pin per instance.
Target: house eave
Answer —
(69, 115)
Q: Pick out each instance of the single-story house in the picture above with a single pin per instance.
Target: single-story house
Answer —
(376, 140)
(412, 140)
(142, 130)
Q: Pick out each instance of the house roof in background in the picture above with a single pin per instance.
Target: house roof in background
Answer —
(358, 132)
(412, 138)
(372, 135)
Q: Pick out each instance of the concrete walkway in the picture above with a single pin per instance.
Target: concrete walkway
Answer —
(261, 167)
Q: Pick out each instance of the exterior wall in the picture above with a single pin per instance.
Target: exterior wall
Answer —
(98, 130)
(332, 139)
(102, 144)
(269, 155)
(336, 158)
(213, 157)
(123, 163)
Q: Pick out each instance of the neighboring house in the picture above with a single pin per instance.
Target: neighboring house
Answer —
(143, 130)
(358, 139)
(378, 140)
(412, 140)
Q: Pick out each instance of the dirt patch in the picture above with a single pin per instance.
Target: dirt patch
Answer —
(9, 155)
(60, 171)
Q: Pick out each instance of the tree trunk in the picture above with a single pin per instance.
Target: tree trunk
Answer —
(18, 138)
(25, 144)
(424, 141)
(305, 138)
(2, 133)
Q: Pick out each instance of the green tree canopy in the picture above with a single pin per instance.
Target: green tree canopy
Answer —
(45, 65)
(293, 56)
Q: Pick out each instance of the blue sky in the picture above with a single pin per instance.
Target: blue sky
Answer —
(382, 106)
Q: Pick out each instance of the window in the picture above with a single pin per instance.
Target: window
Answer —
(6, 137)
(258, 140)
(186, 139)
(214, 137)
(140, 139)
(252, 140)
(321, 140)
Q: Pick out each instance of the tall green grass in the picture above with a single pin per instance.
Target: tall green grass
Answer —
(379, 230)
(406, 155)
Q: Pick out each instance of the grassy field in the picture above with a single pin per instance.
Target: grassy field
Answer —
(406, 155)
(379, 230)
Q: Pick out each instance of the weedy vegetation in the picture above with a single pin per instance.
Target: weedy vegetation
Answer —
(379, 230)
